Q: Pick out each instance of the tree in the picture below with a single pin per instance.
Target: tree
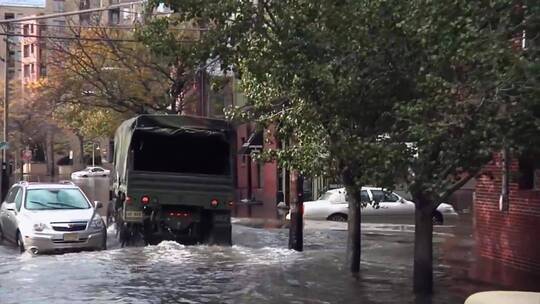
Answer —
(88, 122)
(373, 91)
(107, 68)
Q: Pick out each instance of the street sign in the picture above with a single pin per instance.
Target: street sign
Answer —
(4, 145)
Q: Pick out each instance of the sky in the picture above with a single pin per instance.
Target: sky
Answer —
(34, 3)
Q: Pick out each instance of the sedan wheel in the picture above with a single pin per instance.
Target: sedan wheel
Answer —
(338, 217)
(437, 218)
(20, 242)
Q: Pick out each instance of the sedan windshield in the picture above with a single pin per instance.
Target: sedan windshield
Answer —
(48, 199)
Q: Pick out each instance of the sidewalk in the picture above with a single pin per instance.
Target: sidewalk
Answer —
(261, 223)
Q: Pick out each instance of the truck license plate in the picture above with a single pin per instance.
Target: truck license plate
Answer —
(71, 236)
(133, 214)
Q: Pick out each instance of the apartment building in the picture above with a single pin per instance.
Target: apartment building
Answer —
(31, 47)
(12, 10)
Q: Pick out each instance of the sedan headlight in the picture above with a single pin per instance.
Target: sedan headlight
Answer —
(97, 222)
(40, 227)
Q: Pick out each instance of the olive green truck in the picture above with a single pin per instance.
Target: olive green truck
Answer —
(173, 179)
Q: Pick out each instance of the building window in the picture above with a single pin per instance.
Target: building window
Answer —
(58, 6)
(9, 15)
(26, 51)
(43, 70)
(32, 50)
(26, 70)
(26, 29)
(58, 25)
(114, 16)
(84, 4)
(32, 69)
(12, 59)
(529, 171)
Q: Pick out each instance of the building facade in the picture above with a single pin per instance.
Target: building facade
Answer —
(506, 230)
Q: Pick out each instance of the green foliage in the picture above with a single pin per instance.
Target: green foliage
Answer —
(108, 70)
(89, 122)
(421, 92)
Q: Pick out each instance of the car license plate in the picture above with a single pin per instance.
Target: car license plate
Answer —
(71, 237)
(133, 214)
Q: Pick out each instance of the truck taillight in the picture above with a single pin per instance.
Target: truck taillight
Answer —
(231, 203)
(214, 203)
(145, 199)
(128, 200)
(179, 214)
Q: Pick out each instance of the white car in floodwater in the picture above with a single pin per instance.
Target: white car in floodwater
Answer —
(42, 217)
(91, 172)
(333, 206)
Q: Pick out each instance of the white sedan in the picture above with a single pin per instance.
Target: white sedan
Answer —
(333, 206)
(91, 172)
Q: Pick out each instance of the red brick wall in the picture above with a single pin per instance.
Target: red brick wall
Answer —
(265, 194)
(511, 237)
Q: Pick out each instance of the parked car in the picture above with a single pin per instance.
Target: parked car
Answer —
(333, 206)
(91, 172)
(43, 217)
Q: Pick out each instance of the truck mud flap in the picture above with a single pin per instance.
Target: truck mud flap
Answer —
(219, 228)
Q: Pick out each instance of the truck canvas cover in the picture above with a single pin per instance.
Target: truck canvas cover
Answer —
(161, 125)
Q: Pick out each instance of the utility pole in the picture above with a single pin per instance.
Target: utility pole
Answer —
(296, 229)
(4, 178)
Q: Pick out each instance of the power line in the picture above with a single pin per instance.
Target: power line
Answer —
(67, 38)
(118, 27)
(80, 38)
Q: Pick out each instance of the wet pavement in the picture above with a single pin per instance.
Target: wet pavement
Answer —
(256, 269)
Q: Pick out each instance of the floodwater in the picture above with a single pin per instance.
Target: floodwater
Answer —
(258, 268)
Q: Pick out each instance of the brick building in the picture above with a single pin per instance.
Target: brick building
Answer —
(507, 233)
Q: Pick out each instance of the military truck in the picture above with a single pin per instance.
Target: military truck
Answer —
(173, 179)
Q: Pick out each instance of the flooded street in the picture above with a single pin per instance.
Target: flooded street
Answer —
(256, 269)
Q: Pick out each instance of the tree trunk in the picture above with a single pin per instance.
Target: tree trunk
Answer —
(296, 229)
(79, 163)
(354, 222)
(354, 241)
(50, 152)
(423, 249)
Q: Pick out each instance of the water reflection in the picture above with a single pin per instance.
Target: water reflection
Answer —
(257, 269)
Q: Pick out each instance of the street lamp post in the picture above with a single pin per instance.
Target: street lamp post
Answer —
(95, 146)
